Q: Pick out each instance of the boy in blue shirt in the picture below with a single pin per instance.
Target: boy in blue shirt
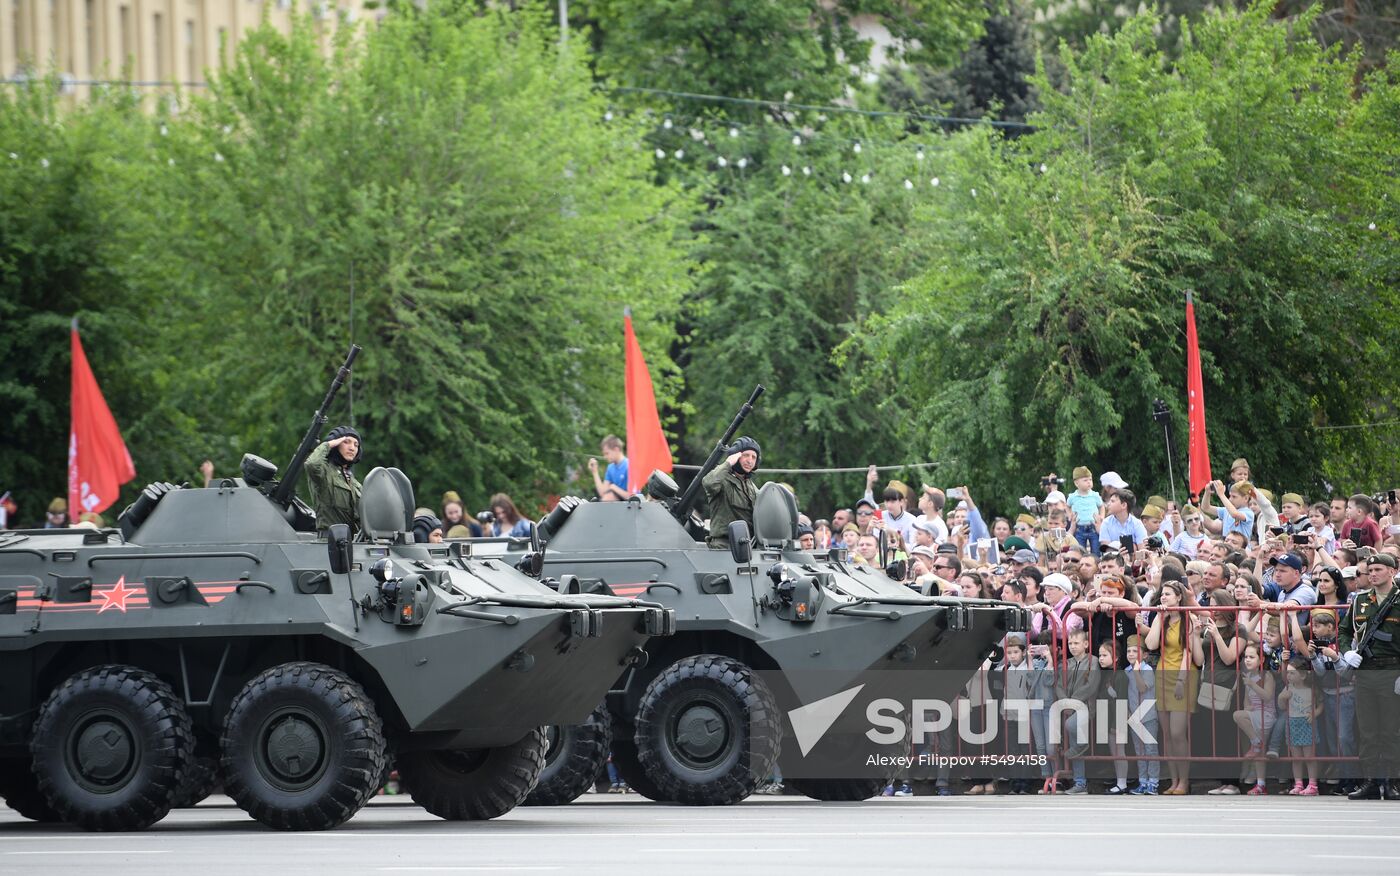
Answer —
(612, 485)
(1234, 515)
(1085, 508)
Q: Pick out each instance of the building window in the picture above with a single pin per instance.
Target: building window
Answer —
(125, 16)
(57, 43)
(191, 52)
(158, 44)
(18, 47)
(90, 22)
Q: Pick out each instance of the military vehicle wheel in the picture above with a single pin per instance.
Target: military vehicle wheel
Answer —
(111, 746)
(200, 780)
(574, 754)
(476, 784)
(629, 765)
(837, 790)
(20, 789)
(303, 747)
(708, 731)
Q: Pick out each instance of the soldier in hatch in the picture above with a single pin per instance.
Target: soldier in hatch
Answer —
(335, 494)
(731, 492)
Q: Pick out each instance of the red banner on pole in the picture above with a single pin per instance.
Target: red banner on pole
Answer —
(647, 449)
(98, 463)
(1199, 475)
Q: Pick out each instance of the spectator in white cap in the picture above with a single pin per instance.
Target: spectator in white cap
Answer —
(1057, 592)
(1111, 480)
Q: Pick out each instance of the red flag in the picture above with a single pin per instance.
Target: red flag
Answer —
(98, 463)
(1199, 472)
(647, 449)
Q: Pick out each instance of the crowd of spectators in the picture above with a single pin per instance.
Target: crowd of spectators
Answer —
(1225, 612)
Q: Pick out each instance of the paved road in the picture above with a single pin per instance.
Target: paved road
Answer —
(1086, 836)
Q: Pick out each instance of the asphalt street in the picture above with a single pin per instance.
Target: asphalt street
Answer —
(1086, 836)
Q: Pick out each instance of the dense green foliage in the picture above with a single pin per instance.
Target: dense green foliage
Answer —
(809, 50)
(456, 172)
(1245, 172)
(494, 204)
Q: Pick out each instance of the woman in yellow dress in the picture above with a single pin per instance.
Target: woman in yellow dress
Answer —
(1176, 680)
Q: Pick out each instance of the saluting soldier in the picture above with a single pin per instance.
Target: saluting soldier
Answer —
(730, 491)
(1377, 673)
(335, 494)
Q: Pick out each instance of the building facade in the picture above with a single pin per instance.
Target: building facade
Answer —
(166, 41)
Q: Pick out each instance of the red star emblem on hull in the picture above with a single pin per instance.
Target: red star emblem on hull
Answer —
(116, 596)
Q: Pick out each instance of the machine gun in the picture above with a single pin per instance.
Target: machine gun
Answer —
(686, 503)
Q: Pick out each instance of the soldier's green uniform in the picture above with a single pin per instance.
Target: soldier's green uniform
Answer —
(731, 498)
(1377, 703)
(335, 494)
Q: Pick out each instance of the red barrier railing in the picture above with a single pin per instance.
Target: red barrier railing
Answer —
(1235, 708)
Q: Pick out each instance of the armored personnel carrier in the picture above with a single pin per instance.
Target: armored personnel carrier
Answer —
(764, 628)
(216, 627)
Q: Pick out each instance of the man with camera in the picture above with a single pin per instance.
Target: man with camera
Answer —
(1371, 645)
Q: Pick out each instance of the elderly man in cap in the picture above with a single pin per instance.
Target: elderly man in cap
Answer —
(1022, 558)
(1377, 673)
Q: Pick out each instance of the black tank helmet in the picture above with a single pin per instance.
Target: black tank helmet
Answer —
(423, 526)
(745, 443)
(341, 432)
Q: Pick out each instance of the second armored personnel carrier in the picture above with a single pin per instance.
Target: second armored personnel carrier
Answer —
(764, 628)
(215, 627)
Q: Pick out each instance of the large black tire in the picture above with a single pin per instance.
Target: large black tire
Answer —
(302, 747)
(837, 790)
(629, 765)
(200, 781)
(574, 754)
(20, 789)
(708, 731)
(111, 746)
(474, 785)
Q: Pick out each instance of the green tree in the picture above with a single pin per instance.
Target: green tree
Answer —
(69, 176)
(453, 168)
(992, 78)
(1244, 171)
(810, 49)
(799, 246)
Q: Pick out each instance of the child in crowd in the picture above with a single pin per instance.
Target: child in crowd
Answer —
(1141, 682)
(1360, 528)
(1190, 531)
(1303, 708)
(1275, 656)
(1019, 689)
(1078, 683)
(1336, 732)
(1114, 691)
(1320, 522)
(1041, 684)
(1085, 509)
(1257, 718)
